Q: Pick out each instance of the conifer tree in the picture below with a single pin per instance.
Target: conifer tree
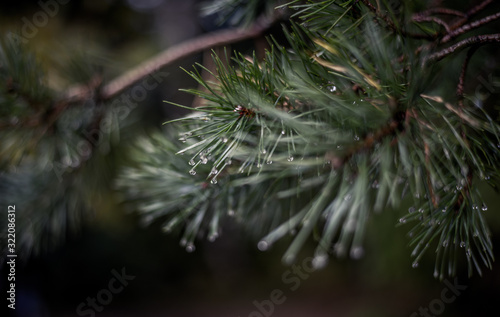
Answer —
(355, 113)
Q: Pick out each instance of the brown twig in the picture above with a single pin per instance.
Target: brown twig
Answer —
(432, 19)
(337, 161)
(461, 79)
(394, 125)
(443, 11)
(174, 54)
(460, 95)
(471, 41)
(183, 50)
(473, 11)
(467, 27)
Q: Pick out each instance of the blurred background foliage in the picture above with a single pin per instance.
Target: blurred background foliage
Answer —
(220, 278)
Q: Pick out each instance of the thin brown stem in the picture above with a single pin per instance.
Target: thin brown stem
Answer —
(468, 42)
(432, 19)
(183, 50)
(460, 95)
(443, 11)
(473, 11)
(461, 79)
(396, 124)
(467, 27)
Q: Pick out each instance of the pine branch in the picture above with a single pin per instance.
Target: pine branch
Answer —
(313, 138)
(287, 125)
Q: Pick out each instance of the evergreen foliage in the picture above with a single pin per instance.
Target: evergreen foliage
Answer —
(50, 152)
(347, 119)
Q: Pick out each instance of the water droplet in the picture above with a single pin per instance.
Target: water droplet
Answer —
(332, 88)
(213, 236)
(459, 187)
(445, 243)
(356, 138)
(204, 160)
(183, 242)
(213, 181)
(421, 210)
(263, 151)
(290, 159)
(469, 253)
(339, 147)
(230, 212)
(411, 209)
(224, 139)
(319, 261)
(475, 206)
(462, 244)
(182, 139)
(476, 234)
(402, 220)
(192, 172)
(213, 171)
(414, 265)
(436, 274)
(259, 165)
(484, 207)
(190, 248)
(357, 253)
(229, 161)
(283, 132)
(444, 210)
(375, 184)
(269, 162)
(263, 245)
